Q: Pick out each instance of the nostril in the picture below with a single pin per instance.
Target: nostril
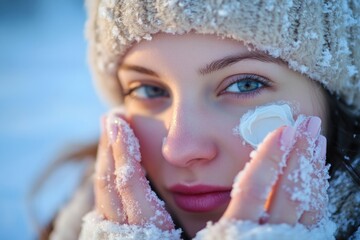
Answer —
(187, 140)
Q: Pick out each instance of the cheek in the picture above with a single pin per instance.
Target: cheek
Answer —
(306, 96)
(150, 133)
(240, 151)
(313, 104)
(234, 152)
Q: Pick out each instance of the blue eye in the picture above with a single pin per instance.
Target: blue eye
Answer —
(245, 84)
(147, 92)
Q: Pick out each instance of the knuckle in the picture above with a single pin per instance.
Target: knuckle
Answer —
(102, 183)
(254, 193)
(276, 162)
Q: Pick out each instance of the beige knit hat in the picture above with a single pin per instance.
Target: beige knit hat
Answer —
(319, 38)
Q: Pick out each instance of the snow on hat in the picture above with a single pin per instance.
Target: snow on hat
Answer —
(318, 38)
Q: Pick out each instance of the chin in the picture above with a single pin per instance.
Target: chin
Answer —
(193, 222)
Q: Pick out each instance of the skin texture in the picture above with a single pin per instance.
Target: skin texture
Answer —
(185, 133)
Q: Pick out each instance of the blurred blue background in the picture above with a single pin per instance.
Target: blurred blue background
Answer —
(47, 103)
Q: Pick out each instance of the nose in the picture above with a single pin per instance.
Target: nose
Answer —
(189, 138)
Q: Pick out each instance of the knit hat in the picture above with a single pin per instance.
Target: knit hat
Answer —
(318, 38)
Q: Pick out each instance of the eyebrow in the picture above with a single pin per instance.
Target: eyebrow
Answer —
(230, 60)
(213, 66)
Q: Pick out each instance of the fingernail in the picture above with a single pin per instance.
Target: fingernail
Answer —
(112, 128)
(313, 126)
(287, 137)
(322, 147)
(264, 218)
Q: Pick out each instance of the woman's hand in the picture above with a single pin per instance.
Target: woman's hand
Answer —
(286, 178)
(124, 195)
(284, 182)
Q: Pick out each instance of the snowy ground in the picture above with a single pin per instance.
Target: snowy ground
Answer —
(47, 102)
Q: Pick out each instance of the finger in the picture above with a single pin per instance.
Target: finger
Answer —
(255, 182)
(284, 208)
(293, 193)
(319, 186)
(141, 204)
(280, 208)
(108, 201)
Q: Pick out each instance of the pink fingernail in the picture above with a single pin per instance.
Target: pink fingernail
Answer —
(264, 218)
(322, 145)
(287, 138)
(313, 126)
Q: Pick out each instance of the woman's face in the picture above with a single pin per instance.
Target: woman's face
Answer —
(184, 94)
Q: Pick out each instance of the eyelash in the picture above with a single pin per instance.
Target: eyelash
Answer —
(245, 77)
(229, 81)
(130, 91)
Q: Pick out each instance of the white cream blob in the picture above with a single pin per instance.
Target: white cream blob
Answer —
(256, 124)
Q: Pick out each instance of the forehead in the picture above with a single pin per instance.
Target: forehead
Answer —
(188, 45)
(191, 48)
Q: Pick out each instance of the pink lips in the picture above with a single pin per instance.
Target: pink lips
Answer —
(200, 198)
